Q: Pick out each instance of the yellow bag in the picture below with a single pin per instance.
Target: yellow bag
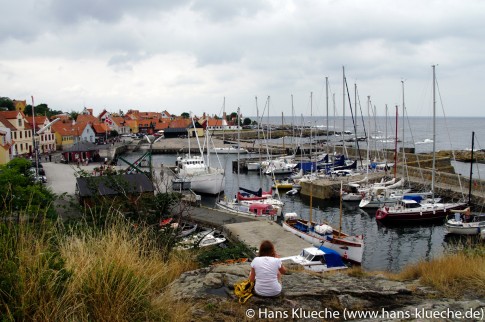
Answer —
(244, 290)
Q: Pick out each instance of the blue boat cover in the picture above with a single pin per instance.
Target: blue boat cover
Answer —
(416, 198)
(258, 193)
(332, 258)
(301, 227)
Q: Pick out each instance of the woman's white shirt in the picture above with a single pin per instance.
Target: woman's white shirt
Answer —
(266, 269)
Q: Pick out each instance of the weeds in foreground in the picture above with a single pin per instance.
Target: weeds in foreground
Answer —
(453, 275)
(115, 273)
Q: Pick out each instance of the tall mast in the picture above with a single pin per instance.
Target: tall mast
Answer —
(326, 97)
(395, 146)
(403, 150)
(343, 108)
(471, 172)
(434, 134)
(311, 160)
(368, 145)
(386, 139)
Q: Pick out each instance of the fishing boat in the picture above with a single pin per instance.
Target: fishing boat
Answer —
(203, 178)
(319, 259)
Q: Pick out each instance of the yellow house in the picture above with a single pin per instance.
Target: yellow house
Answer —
(64, 134)
(133, 125)
(20, 105)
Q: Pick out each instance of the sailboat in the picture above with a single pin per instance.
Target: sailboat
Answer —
(349, 247)
(464, 222)
(203, 178)
(413, 209)
(258, 204)
(318, 234)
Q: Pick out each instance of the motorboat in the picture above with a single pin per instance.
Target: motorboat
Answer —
(203, 179)
(319, 259)
(465, 223)
(202, 239)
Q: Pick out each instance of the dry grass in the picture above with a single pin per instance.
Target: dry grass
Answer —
(120, 275)
(453, 275)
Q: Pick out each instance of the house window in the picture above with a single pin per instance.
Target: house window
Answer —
(20, 133)
(20, 122)
(15, 135)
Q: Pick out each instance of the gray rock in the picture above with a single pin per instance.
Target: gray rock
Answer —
(329, 293)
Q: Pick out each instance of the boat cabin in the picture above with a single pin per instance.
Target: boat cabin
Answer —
(190, 165)
(409, 203)
(260, 209)
(318, 259)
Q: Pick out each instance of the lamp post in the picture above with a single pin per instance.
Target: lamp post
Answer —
(34, 146)
(36, 133)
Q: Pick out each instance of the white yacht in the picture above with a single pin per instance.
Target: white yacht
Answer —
(203, 179)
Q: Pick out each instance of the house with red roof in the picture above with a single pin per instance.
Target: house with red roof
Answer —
(21, 130)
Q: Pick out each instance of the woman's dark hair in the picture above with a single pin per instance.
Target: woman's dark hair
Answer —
(267, 249)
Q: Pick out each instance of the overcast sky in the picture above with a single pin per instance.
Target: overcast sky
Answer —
(187, 56)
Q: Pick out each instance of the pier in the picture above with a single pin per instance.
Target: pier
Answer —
(250, 231)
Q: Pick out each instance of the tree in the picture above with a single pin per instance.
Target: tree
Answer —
(41, 109)
(74, 115)
(20, 192)
(6, 103)
(247, 121)
(185, 115)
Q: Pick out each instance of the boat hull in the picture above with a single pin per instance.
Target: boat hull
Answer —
(352, 251)
(423, 214)
(464, 228)
(208, 183)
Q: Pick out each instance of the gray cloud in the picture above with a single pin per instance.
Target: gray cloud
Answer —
(160, 51)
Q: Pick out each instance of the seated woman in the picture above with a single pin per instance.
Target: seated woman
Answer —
(266, 270)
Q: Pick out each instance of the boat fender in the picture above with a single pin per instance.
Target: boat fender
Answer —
(362, 194)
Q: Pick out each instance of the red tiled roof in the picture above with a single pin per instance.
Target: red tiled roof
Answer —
(100, 128)
(63, 128)
(180, 123)
(10, 114)
(6, 123)
(87, 118)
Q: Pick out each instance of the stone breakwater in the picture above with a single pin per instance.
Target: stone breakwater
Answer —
(313, 297)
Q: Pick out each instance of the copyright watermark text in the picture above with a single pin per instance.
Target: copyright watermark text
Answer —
(300, 313)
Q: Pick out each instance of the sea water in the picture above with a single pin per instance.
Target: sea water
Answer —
(386, 248)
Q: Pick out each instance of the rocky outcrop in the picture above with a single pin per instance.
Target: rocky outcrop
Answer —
(313, 297)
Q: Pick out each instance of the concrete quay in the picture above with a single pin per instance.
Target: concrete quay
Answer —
(252, 233)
